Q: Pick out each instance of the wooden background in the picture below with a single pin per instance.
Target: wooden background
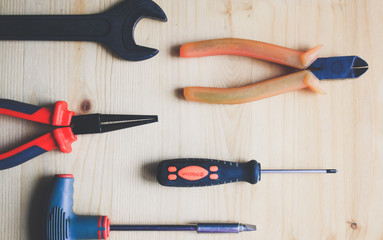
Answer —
(113, 171)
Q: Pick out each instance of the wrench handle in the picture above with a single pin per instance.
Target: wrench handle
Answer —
(53, 27)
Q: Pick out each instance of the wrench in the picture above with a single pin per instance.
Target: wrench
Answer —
(113, 28)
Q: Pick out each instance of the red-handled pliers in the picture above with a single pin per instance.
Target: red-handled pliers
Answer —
(312, 68)
(67, 127)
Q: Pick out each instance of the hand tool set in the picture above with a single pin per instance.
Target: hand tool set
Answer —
(313, 69)
(199, 172)
(62, 223)
(114, 29)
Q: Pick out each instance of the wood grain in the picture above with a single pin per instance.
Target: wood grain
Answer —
(112, 171)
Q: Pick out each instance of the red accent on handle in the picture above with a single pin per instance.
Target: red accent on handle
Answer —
(46, 142)
(106, 225)
(61, 115)
(64, 175)
(64, 138)
(172, 169)
(104, 221)
(172, 177)
(43, 115)
(213, 168)
(193, 173)
(213, 176)
(60, 138)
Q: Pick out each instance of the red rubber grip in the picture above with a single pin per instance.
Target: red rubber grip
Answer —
(61, 138)
(61, 115)
(46, 142)
(44, 115)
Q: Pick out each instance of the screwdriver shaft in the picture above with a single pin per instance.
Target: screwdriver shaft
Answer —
(153, 227)
(298, 171)
(200, 227)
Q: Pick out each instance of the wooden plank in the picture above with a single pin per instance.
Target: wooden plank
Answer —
(296, 130)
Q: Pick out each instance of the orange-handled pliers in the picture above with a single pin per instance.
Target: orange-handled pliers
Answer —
(313, 69)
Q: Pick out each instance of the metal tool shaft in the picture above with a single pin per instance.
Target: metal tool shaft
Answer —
(200, 227)
(153, 227)
(299, 171)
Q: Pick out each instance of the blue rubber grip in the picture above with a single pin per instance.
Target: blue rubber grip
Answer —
(198, 172)
(61, 222)
(18, 106)
(21, 157)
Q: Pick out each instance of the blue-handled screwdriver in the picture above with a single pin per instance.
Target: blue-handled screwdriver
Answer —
(62, 223)
(199, 172)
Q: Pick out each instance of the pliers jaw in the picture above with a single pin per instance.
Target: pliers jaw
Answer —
(100, 123)
(338, 67)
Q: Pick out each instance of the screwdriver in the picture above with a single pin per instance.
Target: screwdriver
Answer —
(62, 223)
(199, 172)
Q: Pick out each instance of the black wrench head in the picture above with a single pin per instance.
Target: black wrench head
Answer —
(123, 19)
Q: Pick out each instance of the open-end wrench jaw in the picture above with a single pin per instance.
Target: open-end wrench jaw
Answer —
(113, 28)
(123, 19)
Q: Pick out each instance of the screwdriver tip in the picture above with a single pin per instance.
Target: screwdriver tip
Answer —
(247, 227)
(331, 171)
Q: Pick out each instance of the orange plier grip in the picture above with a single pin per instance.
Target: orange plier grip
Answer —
(254, 49)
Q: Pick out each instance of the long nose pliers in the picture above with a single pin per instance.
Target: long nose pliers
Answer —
(313, 69)
(66, 125)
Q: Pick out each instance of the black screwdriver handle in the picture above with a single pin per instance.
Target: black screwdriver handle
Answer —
(53, 27)
(198, 172)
